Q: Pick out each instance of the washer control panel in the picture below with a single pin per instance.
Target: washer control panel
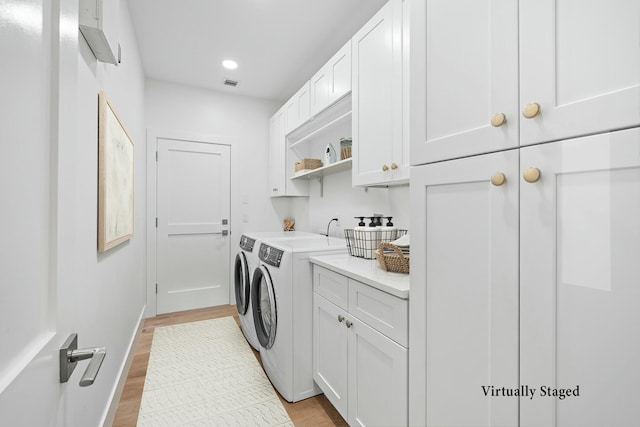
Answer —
(270, 255)
(247, 243)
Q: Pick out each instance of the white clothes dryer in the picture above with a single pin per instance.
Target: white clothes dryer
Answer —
(246, 262)
(282, 303)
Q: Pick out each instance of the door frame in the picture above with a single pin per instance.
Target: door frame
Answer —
(152, 173)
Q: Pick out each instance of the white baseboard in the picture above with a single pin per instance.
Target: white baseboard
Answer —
(124, 372)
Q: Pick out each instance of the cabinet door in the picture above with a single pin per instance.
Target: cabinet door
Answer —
(339, 68)
(464, 291)
(464, 59)
(580, 61)
(320, 87)
(282, 162)
(377, 95)
(580, 235)
(332, 81)
(378, 369)
(297, 109)
(330, 361)
(276, 155)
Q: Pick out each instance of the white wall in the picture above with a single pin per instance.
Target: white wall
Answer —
(242, 120)
(343, 201)
(108, 289)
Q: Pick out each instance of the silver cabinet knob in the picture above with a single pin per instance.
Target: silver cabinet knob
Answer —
(348, 323)
(340, 318)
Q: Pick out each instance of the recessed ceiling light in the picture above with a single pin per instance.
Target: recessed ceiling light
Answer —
(229, 64)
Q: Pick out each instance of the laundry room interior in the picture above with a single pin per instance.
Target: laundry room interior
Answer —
(320, 213)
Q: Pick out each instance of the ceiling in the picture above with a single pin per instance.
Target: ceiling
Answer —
(278, 44)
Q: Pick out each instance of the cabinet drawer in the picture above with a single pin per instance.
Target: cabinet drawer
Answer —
(380, 310)
(332, 286)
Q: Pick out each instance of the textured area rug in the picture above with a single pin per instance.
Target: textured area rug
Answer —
(205, 374)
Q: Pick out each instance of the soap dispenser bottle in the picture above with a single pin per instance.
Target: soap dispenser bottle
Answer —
(357, 239)
(373, 236)
(388, 232)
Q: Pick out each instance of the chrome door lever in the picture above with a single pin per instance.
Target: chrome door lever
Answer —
(70, 355)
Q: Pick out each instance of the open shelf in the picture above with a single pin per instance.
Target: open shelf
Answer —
(322, 129)
(322, 122)
(336, 167)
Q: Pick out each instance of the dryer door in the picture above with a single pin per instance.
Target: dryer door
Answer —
(263, 299)
(242, 284)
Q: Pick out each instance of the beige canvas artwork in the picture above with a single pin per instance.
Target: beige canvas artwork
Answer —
(116, 178)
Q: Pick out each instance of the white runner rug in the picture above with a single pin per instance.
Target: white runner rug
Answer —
(205, 374)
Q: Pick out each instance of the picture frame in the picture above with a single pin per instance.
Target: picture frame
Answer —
(116, 176)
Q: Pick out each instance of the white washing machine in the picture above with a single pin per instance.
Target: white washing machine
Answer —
(282, 300)
(246, 262)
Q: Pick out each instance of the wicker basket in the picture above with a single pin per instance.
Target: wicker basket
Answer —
(308, 164)
(391, 258)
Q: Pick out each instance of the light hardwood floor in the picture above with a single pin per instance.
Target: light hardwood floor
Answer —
(316, 411)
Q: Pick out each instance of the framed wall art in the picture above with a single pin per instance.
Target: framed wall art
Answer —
(115, 178)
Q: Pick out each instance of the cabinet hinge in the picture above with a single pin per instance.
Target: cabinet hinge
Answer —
(156, 222)
(156, 288)
(156, 156)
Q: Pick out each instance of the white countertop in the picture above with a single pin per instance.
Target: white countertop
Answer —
(366, 271)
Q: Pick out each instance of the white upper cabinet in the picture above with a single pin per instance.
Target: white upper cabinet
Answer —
(576, 71)
(580, 62)
(297, 109)
(333, 81)
(470, 61)
(379, 156)
(281, 165)
(276, 154)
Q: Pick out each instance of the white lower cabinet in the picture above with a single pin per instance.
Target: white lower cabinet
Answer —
(464, 291)
(363, 372)
(524, 279)
(580, 281)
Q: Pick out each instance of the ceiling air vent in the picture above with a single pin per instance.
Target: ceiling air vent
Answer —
(231, 83)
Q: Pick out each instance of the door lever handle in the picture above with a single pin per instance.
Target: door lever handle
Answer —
(96, 355)
(70, 355)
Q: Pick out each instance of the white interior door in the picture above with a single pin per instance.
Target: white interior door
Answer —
(33, 315)
(193, 206)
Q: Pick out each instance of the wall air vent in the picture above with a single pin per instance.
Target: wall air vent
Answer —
(231, 83)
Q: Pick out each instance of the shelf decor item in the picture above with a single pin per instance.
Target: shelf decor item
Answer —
(330, 154)
(307, 164)
(345, 148)
(115, 178)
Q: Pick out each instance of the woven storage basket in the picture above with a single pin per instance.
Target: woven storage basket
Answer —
(391, 258)
(308, 164)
